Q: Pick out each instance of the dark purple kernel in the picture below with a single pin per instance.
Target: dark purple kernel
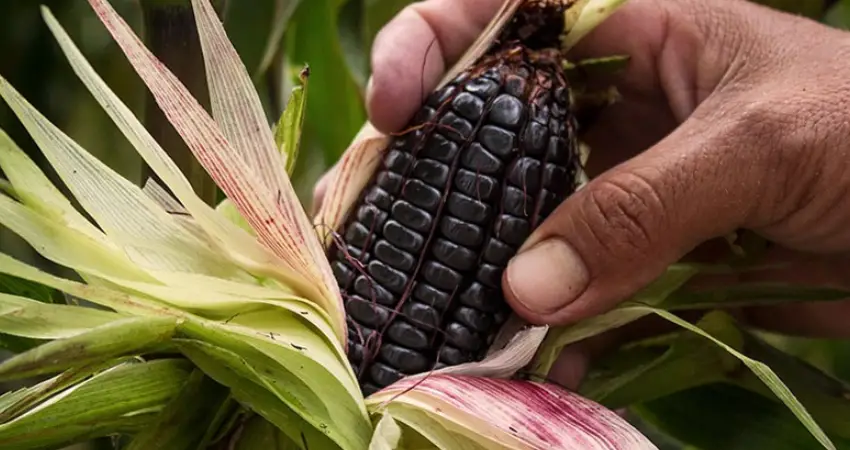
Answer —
(554, 177)
(343, 274)
(478, 159)
(507, 111)
(371, 216)
(555, 127)
(360, 334)
(480, 187)
(407, 360)
(452, 356)
(497, 252)
(467, 208)
(355, 353)
(558, 111)
(398, 161)
(517, 203)
(460, 232)
(550, 202)
(439, 97)
(512, 230)
(411, 216)
(390, 181)
(490, 276)
(557, 151)
(498, 140)
(468, 106)
(481, 298)
(402, 237)
(515, 85)
(440, 149)
(534, 138)
(432, 172)
(540, 114)
(453, 255)
(525, 173)
(379, 197)
(357, 234)
(396, 258)
(440, 276)
(383, 374)
(482, 87)
(369, 389)
(373, 291)
(455, 127)
(366, 312)
(561, 94)
(431, 296)
(403, 333)
(420, 194)
(395, 281)
(463, 338)
(407, 141)
(420, 313)
(353, 253)
(425, 115)
(474, 319)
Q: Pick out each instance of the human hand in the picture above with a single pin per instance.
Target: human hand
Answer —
(733, 117)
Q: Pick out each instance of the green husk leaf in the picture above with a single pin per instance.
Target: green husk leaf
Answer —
(296, 365)
(13, 403)
(24, 288)
(287, 134)
(259, 433)
(116, 338)
(252, 390)
(702, 417)
(387, 434)
(24, 317)
(183, 423)
(124, 398)
(761, 370)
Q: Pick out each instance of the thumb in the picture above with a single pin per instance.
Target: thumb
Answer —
(624, 228)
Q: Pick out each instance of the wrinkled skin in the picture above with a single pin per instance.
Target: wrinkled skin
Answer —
(734, 116)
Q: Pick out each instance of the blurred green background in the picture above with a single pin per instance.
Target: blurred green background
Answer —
(275, 39)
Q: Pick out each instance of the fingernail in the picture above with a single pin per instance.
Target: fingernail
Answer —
(547, 277)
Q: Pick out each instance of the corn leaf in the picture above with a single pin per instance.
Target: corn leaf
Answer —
(24, 317)
(657, 367)
(762, 371)
(312, 38)
(126, 397)
(750, 294)
(584, 16)
(287, 135)
(283, 12)
(252, 390)
(183, 423)
(506, 414)
(703, 417)
(116, 338)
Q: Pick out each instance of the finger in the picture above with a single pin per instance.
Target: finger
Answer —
(623, 229)
(413, 51)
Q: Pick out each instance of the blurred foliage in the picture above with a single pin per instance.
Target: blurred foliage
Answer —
(276, 39)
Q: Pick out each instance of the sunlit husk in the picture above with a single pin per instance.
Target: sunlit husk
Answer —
(506, 414)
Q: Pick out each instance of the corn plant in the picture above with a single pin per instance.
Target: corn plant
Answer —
(234, 327)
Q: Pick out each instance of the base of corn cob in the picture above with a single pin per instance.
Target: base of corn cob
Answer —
(485, 160)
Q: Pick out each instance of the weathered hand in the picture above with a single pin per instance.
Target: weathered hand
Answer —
(734, 116)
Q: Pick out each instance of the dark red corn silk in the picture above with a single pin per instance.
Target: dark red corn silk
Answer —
(421, 256)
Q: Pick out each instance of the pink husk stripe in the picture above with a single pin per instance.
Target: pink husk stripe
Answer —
(517, 414)
(280, 223)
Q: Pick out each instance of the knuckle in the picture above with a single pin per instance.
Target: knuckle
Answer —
(623, 212)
